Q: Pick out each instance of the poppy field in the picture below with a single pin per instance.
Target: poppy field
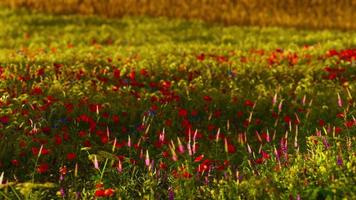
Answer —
(156, 108)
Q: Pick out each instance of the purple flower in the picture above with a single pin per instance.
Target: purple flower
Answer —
(170, 194)
(63, 194)
(339, 160)
(326, 144)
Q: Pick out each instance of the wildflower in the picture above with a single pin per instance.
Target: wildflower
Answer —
(339, 100)
(15, 162)
(180, 146)
(71, 156)
(201, 57)
(249, 103)
(265, 155)
(96, 163)
(325, 142)
(42, 168)
(199, 158)
(119, 166)
(147, 159)
(182, 112)
(62, 192)
(109, 192)
(99, 193)
(207, 98)
(274, 100)
(339, 160)
(37, 91)
(5, 119)
(170, 193)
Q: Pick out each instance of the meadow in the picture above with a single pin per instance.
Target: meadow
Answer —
(157, 108)
(316, 14)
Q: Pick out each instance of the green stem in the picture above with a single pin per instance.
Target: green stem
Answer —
(103, 170)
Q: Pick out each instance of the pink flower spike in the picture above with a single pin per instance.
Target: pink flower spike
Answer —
(1, 178)
(180, 146)
(147, 159)
(274, 100)
(190, 152)
(217, 136)
(280, 106)
(194, 150)
(96, 163)
(304, 99)
(107, 132)
(162, 135)
(339, 100)
(195, 135)
(119, 167)
(129, 142)
(249, 149)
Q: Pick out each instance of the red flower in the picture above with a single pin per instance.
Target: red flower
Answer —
(265, 155)
(71, 156)
(43, 168)
(231, 148)
(104, 139)
(4, 119)
(109, 192)
(182, 112)
(338, 130)
(168, 122)
(99, 193)
(144, 72)
(259, 160)
(287, 119)
(199, 158)
(321, 122)
(207, 98)
(186, 174)
(37, 91)
(117, 73)
(15, 162)
(201, 57)
(350, 123)
(249, 103)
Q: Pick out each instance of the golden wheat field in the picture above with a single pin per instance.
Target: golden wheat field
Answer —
(296, 13)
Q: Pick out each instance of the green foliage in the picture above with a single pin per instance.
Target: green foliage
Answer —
(151, 108)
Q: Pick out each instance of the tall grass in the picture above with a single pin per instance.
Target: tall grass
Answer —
(296, 13)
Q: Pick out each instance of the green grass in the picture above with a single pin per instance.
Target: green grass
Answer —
(65, 79)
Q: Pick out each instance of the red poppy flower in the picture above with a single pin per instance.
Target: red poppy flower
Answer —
(265, 155)
(350, 123)
(109, 192)
(4, 119)
(287, 119)
(249, 103)
(37, 91)
(186, 174)
(162, 165)
(207, 98)
(199, 158)
(182, 112)
(201, 57)
(71, 156)
(117, 73)
(231, 148)
(42, 168)
(321, 122)
(15, 162)
(99, 193)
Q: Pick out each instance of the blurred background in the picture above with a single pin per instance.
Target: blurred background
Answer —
(312, 14)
